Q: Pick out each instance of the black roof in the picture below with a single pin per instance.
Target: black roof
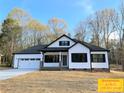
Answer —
(95, 48)
(32, 50)
(90, 46)
(36, 49)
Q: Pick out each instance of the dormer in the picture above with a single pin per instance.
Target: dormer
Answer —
(63, 41)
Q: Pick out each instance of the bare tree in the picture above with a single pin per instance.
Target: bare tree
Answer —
(23, 18)
(38, 32)
(21, 15)
(81, 31)
(95, 26)
(102, 25)
(57, 27)
(109, 18)
(120, 23)
(120, 29)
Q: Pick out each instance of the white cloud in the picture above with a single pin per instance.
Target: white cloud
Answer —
(86, 5)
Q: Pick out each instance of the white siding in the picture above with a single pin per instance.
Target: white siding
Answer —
(100, 64)
(56, 44)
(17, 63)
(78, 48)
(51, 64)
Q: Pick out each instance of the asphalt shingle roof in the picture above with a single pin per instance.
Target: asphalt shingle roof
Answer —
(32, 50)
(91, 47)
(36, 49)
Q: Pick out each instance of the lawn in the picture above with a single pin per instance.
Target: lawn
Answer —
(56, 82)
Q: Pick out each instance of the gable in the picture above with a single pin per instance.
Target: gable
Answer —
(73, 42)
(79, 48)
(63, 38)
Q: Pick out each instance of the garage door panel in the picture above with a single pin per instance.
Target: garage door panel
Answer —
(29, 64)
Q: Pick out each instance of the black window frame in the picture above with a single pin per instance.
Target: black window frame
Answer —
(37, 59)
(82, 57)
(98, 58)
(22, 59)
(51, 59)
(32, 59)
(27, 59)
(64, 43)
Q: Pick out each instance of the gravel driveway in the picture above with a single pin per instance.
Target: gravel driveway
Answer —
(10, 73)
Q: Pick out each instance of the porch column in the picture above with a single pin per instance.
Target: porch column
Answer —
(42, 60)
(60, 59)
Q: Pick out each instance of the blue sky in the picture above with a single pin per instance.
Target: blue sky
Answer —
(72, 11)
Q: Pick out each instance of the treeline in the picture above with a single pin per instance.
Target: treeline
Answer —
(104, 28)
(19, 31)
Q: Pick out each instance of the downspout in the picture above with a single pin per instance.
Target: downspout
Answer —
(108, 61)
(60, 59)
(68, 58)
(90, 62)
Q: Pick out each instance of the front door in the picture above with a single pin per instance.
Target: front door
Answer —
(64, 61)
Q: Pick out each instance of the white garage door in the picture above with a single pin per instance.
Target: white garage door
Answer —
(29, 63)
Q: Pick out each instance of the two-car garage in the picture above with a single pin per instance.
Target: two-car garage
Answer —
(27, 61)
(29, 58)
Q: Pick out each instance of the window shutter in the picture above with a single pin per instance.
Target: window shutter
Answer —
(104, 57)
(60, 43)
(68, 43)
(85, 57)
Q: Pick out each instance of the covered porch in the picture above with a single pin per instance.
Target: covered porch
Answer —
(55, 58)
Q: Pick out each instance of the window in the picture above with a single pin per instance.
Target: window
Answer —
(22, 59)
(98, 57)
(38, 59)
(32, 59)
(35, 59)
(79, 57)
(64, 43)
(51, 58)
(26, 59)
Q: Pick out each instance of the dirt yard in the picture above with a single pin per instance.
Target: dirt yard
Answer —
(56, 82)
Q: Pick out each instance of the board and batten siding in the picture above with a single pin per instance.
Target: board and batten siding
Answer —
(17, 58)
(101, 64)
(56, 44)
(79, 48)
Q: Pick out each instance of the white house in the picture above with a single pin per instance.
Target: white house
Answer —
(64, 52)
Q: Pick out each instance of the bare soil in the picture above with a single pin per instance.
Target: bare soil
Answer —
(56, 82)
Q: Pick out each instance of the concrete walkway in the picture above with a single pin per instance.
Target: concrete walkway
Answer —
(10, 73)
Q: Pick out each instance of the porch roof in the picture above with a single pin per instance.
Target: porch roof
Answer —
(55, 49)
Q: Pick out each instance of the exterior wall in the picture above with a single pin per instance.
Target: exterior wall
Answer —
(56, 44)
(79, 48)
(17, 58)
(100, 64)
(53, 64)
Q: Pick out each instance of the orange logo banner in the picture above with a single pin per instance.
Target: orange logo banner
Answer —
(111, 85)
